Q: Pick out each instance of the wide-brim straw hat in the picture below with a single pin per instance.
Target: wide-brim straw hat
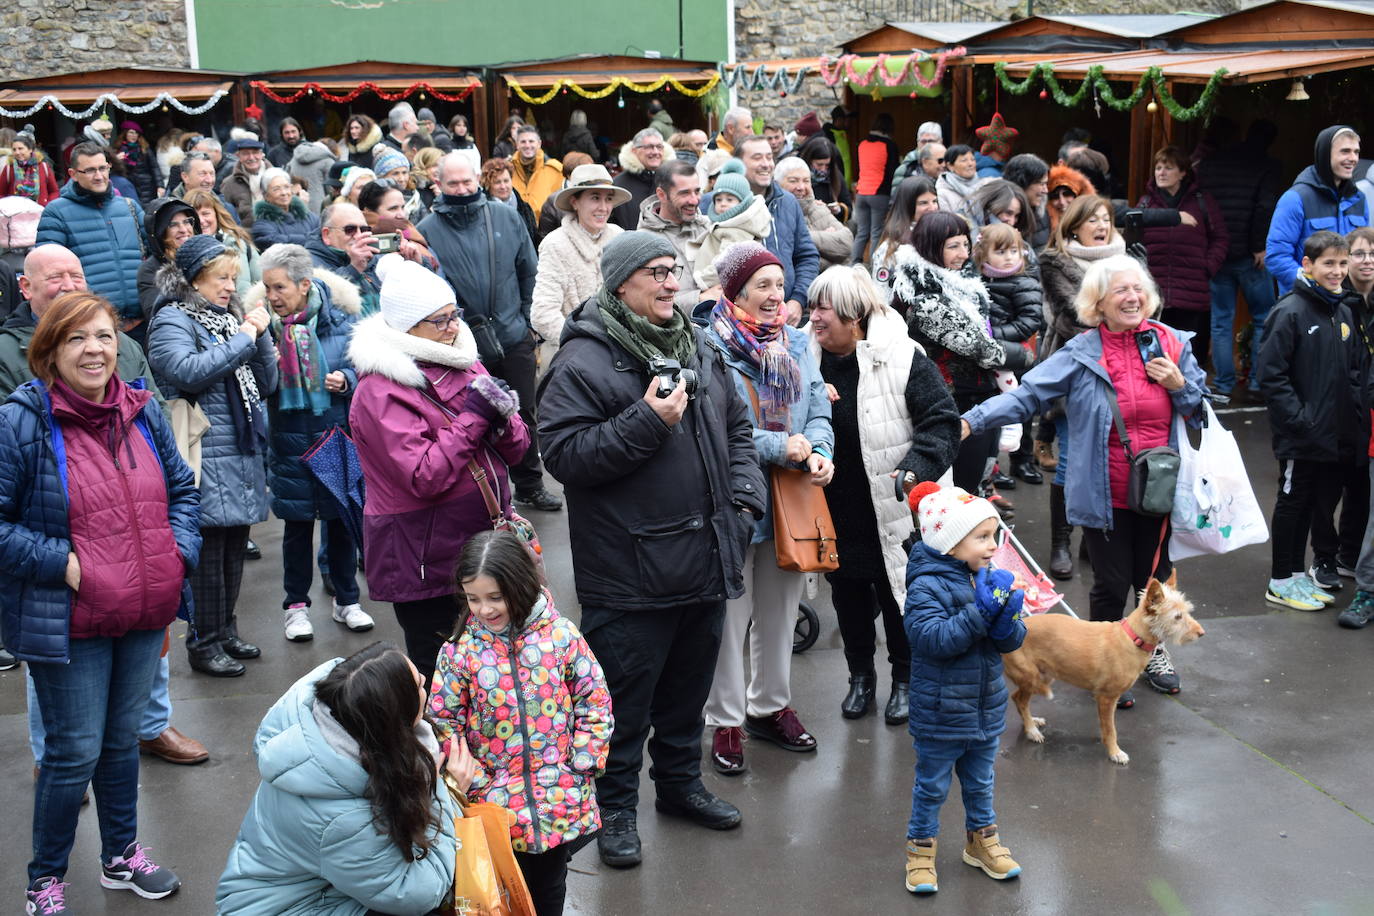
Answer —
(584, 178)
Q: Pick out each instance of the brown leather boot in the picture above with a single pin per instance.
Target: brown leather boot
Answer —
(174, 747)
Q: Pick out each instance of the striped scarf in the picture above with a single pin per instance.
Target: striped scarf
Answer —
(763, 344)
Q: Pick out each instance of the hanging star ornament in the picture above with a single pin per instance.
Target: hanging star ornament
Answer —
(253, 111)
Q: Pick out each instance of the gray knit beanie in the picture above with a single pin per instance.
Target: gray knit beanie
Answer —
(629, 251)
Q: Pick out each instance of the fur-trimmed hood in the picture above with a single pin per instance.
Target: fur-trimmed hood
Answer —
(295, 210)
(173, 286)
(374, 136)
(1063, 176)
(379, 349)
(343, 294)
(915, 277)
(629, 161)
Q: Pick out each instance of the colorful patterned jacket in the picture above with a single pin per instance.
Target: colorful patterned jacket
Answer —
(536, 713)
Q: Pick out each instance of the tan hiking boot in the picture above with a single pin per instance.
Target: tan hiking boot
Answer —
(920, 867)
(984, 850)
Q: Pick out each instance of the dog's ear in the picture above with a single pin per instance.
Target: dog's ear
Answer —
(1153, 595)
(1172, 581)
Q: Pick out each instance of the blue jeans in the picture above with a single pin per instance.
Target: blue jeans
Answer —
(1258, 287)
(155, 719)
(91, 711)
(935, 762)
(298, 561)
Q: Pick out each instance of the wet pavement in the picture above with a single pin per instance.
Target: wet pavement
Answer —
(1248, 793)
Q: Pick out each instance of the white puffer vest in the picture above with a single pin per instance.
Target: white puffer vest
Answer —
(885, 431)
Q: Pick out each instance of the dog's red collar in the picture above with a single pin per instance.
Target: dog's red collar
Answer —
(1140, 643)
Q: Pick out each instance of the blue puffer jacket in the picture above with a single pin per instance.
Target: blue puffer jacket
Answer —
(458, 237)
(1315, 202)
(106, 233)
(1076, 372)
(790, 240)
(296, 494)
(957, 692)
(35, 534)
(187, 360)
(810, 416)
(308, 845)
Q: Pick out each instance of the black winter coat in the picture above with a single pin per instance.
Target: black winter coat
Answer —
(1017, 312)
(1311, 369)
(1245, 184)
(654, 512)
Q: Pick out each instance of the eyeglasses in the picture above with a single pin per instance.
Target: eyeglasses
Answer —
(181, 224)
(660, 274)
(657, 146)
(93, 170)
(1362, 255)
(445, 321)
(351, 229)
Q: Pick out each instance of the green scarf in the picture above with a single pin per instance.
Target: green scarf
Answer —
(643, 339)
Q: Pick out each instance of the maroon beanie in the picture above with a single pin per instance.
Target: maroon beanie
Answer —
(736, 264)
(809, 125)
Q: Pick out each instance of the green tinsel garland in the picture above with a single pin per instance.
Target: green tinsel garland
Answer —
(1095, 79)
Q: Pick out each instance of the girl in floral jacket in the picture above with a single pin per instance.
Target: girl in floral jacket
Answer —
(519, 683)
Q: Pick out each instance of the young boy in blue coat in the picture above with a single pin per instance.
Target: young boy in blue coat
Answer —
(960, 617)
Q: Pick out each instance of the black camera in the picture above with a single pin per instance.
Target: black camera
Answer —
(669, 372)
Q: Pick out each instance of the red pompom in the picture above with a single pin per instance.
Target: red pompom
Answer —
(920, 492)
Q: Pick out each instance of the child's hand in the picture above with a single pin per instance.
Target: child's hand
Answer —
(992, 589)
(1005, 623)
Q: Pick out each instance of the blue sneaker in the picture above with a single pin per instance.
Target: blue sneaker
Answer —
(1316, 590)
(46, 897)
(136, 872)
(1292, 594)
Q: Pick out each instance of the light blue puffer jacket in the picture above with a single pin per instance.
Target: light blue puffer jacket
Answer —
(308, 845)
(105, 232)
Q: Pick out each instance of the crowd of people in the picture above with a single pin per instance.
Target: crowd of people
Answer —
(197, 321)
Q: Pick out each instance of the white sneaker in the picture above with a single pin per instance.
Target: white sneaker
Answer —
(298, 628)
(353, 616)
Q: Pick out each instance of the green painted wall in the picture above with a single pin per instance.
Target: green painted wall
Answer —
(255, 35)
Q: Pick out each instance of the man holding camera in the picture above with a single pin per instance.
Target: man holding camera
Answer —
(662, 483)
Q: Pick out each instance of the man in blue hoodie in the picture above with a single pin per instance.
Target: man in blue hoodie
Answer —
(1324, 196)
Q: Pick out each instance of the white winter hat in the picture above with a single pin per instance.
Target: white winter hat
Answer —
(947, 514)
(410, 292)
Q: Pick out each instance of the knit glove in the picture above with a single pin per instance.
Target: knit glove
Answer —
(991, 589)
(1005, 623)
(491, 399)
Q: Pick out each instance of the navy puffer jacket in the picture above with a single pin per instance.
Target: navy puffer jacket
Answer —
(35, 532)
(188, 361)
(957, 692)
(296, 494)
(106, 233)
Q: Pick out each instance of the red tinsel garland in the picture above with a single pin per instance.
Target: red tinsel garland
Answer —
(309, 88)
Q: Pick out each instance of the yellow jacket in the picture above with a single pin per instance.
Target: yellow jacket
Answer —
(534, 186)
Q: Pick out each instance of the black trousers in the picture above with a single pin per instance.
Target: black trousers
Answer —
(857, 602)
(517, 369)
(1123, 561)
(971, 461)
(1342, 542)
(427, 624)
(658, 666)
(215, 589)
(546, 875)
(1307, 490)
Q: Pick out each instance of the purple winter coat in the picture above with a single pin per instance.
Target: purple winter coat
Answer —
(422, 503)
(1183, 259)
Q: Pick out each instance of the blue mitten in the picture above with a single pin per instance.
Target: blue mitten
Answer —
(1005, 623)
(991, 589)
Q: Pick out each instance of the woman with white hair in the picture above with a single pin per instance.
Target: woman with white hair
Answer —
(832, 238)
(1126, 358)
(910, 429)
(281, 217)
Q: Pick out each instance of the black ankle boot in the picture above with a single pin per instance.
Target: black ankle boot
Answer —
(898, 709)
(1061, 536)
(215, 663)
(859, 700)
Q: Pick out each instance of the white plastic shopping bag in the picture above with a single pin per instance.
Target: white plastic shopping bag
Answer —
(1215, 510)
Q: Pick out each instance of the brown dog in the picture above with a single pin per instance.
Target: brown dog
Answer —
(1104, 658)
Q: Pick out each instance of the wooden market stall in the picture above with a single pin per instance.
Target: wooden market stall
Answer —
(613, 90)
(326, 96)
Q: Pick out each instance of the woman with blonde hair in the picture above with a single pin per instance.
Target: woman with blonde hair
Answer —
(424, 175)
(910, 428)
(216, 220)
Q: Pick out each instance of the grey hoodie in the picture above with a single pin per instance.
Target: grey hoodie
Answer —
(311, 162)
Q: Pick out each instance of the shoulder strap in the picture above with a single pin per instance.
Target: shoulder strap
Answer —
(479, 473)
(138, 231)
(491, 263)
(753, 397)
(1119, 421)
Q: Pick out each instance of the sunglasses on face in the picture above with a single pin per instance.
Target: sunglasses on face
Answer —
(352, 230)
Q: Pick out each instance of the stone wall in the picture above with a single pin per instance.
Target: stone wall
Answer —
(40, 37)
